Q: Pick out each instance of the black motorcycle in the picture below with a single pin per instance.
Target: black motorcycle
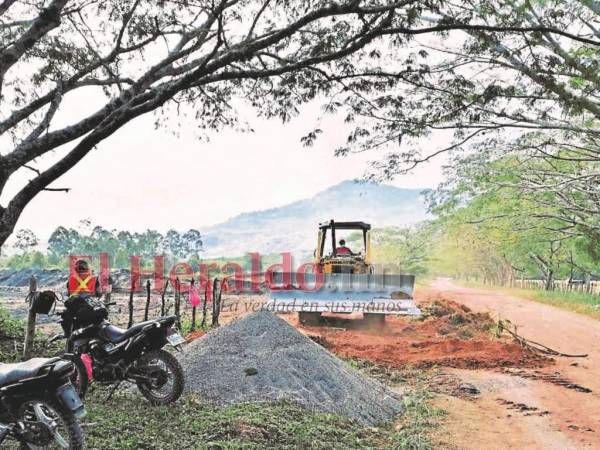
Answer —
(111, 355)
(39, 408)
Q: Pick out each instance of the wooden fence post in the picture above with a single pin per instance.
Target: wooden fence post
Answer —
(130, 321)
(220, 298)
(108, 295)
(215, 310)
(206, 293)
(162, 298)
(147, 300)
(193, 326)
(30, 331)
(178, 303)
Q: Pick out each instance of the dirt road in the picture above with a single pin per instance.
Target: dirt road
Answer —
(519, 408)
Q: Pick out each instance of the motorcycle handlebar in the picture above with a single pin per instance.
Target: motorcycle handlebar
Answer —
(56, 338)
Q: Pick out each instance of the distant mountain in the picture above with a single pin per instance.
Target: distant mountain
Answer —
(293, 227)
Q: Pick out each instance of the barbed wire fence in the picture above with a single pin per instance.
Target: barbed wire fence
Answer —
(135, 305)
(580, 286)
(128, 306)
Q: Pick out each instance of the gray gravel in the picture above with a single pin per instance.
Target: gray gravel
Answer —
(263, 358)
(54, 278)
(45, 277)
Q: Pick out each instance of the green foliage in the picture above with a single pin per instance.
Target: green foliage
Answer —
(25, 240)
(12, 331)
(186, 322)
(518, 216)
(28, 260)
(548, 84)
(9, 326)
(407, 249)
(92, 240)
(120, 245)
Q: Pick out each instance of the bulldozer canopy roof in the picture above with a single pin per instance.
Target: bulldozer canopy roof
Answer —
(345, 225)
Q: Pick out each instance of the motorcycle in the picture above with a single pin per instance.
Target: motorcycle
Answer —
(111, 355)
(39, 408)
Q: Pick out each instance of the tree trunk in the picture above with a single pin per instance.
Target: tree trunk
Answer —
(588, 282)
(549, 284)
(6, 226)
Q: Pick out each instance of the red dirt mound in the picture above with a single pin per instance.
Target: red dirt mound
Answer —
(398, 352)
(448, 334)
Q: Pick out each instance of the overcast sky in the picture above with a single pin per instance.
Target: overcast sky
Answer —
(142, 177)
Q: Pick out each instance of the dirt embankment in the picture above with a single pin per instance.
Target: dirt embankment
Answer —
(448, 334)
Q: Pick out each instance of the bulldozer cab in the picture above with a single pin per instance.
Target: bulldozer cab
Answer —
(347, 284)
(327, 257)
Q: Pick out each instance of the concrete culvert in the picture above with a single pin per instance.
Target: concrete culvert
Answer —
(262, 358)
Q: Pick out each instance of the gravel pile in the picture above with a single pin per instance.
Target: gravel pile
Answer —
(54, 278)
(262, 358)
(20, 277)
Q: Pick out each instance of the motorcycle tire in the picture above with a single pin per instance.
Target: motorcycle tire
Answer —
(44, 409)
(164, 391)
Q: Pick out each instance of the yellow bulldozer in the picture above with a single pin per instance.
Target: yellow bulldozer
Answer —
(347, 261)
(344, 281)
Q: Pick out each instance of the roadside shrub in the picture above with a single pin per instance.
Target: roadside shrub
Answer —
(9, 326)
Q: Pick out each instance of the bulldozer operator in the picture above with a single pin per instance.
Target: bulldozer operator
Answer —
(343, 250)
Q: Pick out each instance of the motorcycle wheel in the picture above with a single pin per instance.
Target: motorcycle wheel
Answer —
(167, 384)
(80, 379)
(63, 425)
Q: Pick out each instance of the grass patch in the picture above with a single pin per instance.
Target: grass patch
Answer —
(10, 327)
(12, 333)
(418, 422)
(127, 422)
(12, 338)
(587, 304)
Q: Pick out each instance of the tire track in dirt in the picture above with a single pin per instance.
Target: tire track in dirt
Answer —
(568, 390)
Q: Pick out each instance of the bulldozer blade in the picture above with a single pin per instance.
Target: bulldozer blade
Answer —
(342, 293)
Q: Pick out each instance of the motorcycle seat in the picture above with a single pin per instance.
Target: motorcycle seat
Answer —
(117, 335)
(9, 373)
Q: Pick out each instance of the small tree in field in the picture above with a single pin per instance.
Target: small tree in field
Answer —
(25, 240)
(203, 57)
